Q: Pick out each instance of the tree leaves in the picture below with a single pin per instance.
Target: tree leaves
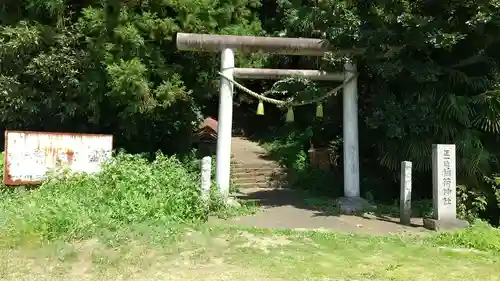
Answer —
(110, 66)
(441, 87)
(488, 118)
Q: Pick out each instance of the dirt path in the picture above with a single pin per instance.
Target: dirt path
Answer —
(248, 152)
(283, 208)
(287, 209)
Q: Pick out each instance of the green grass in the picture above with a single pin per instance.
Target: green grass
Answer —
(143, 220)
(130, 190)
(225, 253)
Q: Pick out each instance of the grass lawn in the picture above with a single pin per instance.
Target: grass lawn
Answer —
(135, 221)
(227, 253)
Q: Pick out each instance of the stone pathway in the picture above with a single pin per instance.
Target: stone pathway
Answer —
(287, 209)
(248, 152)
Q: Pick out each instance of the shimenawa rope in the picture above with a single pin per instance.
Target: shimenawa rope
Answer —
(289, 102)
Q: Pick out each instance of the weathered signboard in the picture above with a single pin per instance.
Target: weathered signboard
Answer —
(29, 155)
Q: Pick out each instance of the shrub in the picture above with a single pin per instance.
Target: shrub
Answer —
(480, 236)
(470, 203)
(291, 153)
(129, 190)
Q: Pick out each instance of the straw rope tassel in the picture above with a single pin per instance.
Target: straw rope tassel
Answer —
(319, 110)
(260, 108)
(289, 115)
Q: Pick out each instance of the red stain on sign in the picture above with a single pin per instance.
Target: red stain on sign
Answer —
(69, 155)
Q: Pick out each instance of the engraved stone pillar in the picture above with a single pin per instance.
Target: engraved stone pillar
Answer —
(405, 198)
(444, 189)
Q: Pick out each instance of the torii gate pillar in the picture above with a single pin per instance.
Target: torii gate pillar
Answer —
(350, 132)
(225, 126)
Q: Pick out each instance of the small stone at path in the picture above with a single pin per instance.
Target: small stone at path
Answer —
(233, 202)
(353, 205)
(445, 224)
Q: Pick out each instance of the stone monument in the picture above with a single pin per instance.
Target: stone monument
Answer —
(444, 189)
(206, 173)
(405, 197)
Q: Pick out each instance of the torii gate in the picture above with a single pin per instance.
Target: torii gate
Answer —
(227, 45)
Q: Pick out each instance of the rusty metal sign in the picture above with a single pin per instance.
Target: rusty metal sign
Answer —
(28, 156)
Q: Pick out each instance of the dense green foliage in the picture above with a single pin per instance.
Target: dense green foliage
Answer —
(429, 74)
(107, 66)
(129, 191)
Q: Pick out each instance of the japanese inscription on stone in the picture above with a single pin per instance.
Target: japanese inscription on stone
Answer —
(30, 155)
(444, 181)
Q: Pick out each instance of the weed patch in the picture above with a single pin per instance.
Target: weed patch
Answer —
(130, 190)
(481, 237)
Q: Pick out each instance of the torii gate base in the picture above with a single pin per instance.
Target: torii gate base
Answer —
(352, 202)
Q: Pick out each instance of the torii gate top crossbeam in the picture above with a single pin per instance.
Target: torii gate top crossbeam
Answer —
(250, 44)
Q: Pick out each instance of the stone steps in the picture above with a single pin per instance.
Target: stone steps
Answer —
(244, 172)
(255, 174)
(250, 166)
(254, 185)
(255, 165)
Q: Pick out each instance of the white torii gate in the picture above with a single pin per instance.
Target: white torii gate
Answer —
(285, 46)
